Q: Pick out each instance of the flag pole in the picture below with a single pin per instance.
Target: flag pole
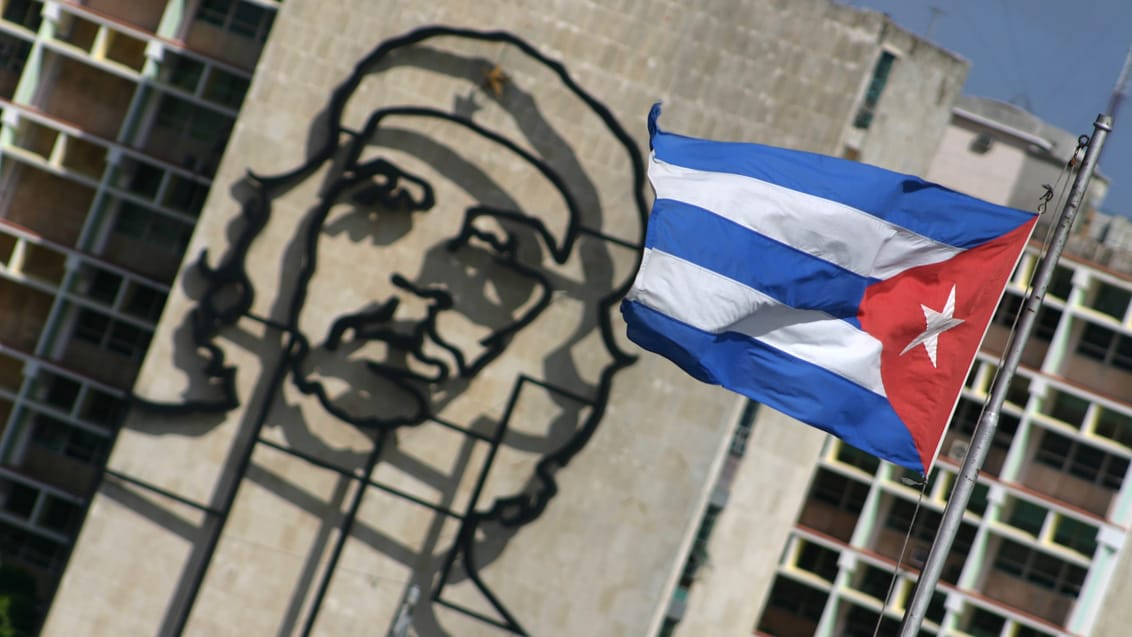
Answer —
(988, 421)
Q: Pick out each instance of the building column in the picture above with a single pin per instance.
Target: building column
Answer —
(1110, 539)
(1059, 344)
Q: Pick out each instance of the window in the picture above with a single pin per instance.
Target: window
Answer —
(17, 499)
(881, 71)
(1105, 345)
(1039, 568)
(1019, 391)
(185, 195)
(26, 547)
(1026, 631)
(143, 302)
(192, 120)
(1111, 300)
(978, 502)
(797, 599)
(25, 13)
(242, 18)
(1028, 517)
(1061, 284)
(699, 553)
(927, 523)
(152, 227)
(1075, 534)
(57, 391)
(1115, 426)
(839, 491)
(142, 178)
(111, 334)
(1044, 326)
(984, 623)
(862, 622)
(58, 436)
(181, 71)
(60, 516)
(1082, 460)
(818, 560)
(966, 417)
(226, 89)
(1068, 408)
(103, 286)
(855, 457)
(743, 430)
(101, 408)
(874, 582)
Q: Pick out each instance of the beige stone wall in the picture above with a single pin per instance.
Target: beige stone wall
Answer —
(603, 557)
(992, 175)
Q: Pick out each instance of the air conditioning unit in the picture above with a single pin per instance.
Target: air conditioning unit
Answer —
(958, 449)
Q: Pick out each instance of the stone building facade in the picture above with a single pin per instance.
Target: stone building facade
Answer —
(486, 454)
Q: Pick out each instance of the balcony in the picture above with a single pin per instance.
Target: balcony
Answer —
(143, 15)
(20, 329)
(1030, 598)
(50, 205)
(92, 99)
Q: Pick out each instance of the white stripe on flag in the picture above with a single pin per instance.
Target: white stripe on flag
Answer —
(713, 303)
(840, 234)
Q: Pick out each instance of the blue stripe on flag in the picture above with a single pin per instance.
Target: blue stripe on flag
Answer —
(779, 271)
(925, 208)
(799, 389)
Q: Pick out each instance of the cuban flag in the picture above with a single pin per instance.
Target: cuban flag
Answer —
(849, 297)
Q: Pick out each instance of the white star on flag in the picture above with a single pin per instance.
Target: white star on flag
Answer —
(936, 323)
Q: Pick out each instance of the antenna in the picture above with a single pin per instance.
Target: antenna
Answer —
(936, 13)
(1120, 90)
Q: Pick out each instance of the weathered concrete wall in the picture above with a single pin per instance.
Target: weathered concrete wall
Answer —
(991, 175)
(915, 106)
(602, 557)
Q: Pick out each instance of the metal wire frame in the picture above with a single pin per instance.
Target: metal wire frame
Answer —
(229, 293)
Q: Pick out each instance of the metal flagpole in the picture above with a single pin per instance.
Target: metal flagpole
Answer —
(988, 422)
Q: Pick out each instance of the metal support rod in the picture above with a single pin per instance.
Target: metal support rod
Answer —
(988, 421)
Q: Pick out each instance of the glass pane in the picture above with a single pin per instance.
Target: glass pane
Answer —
(19, 500)
(1028, 517)
(1095, 341)
(1061, 283)
(144, 302)
(852, 456)
(182, 72)
(1115, 426)
(56, 390)
(101, 408)
(60, 515)
(103, 285)
(185, 195)
(49, 433)
(1075, 534)
(1054, 450)
(226, 89)
(1112, 300)
(91, 326)
(132, 220)
(247, 19)
(1068, 408)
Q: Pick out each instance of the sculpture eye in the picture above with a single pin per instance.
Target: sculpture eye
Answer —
(382, 184)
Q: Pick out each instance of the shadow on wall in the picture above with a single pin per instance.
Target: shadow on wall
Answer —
(447, 284)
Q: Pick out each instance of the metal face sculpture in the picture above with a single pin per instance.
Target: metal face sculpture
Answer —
(429, 273)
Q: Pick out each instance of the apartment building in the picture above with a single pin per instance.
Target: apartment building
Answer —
(1037, 552)
(115, 114)
(555, 489)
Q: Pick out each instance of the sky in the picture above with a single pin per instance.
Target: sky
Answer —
(1059, 59)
